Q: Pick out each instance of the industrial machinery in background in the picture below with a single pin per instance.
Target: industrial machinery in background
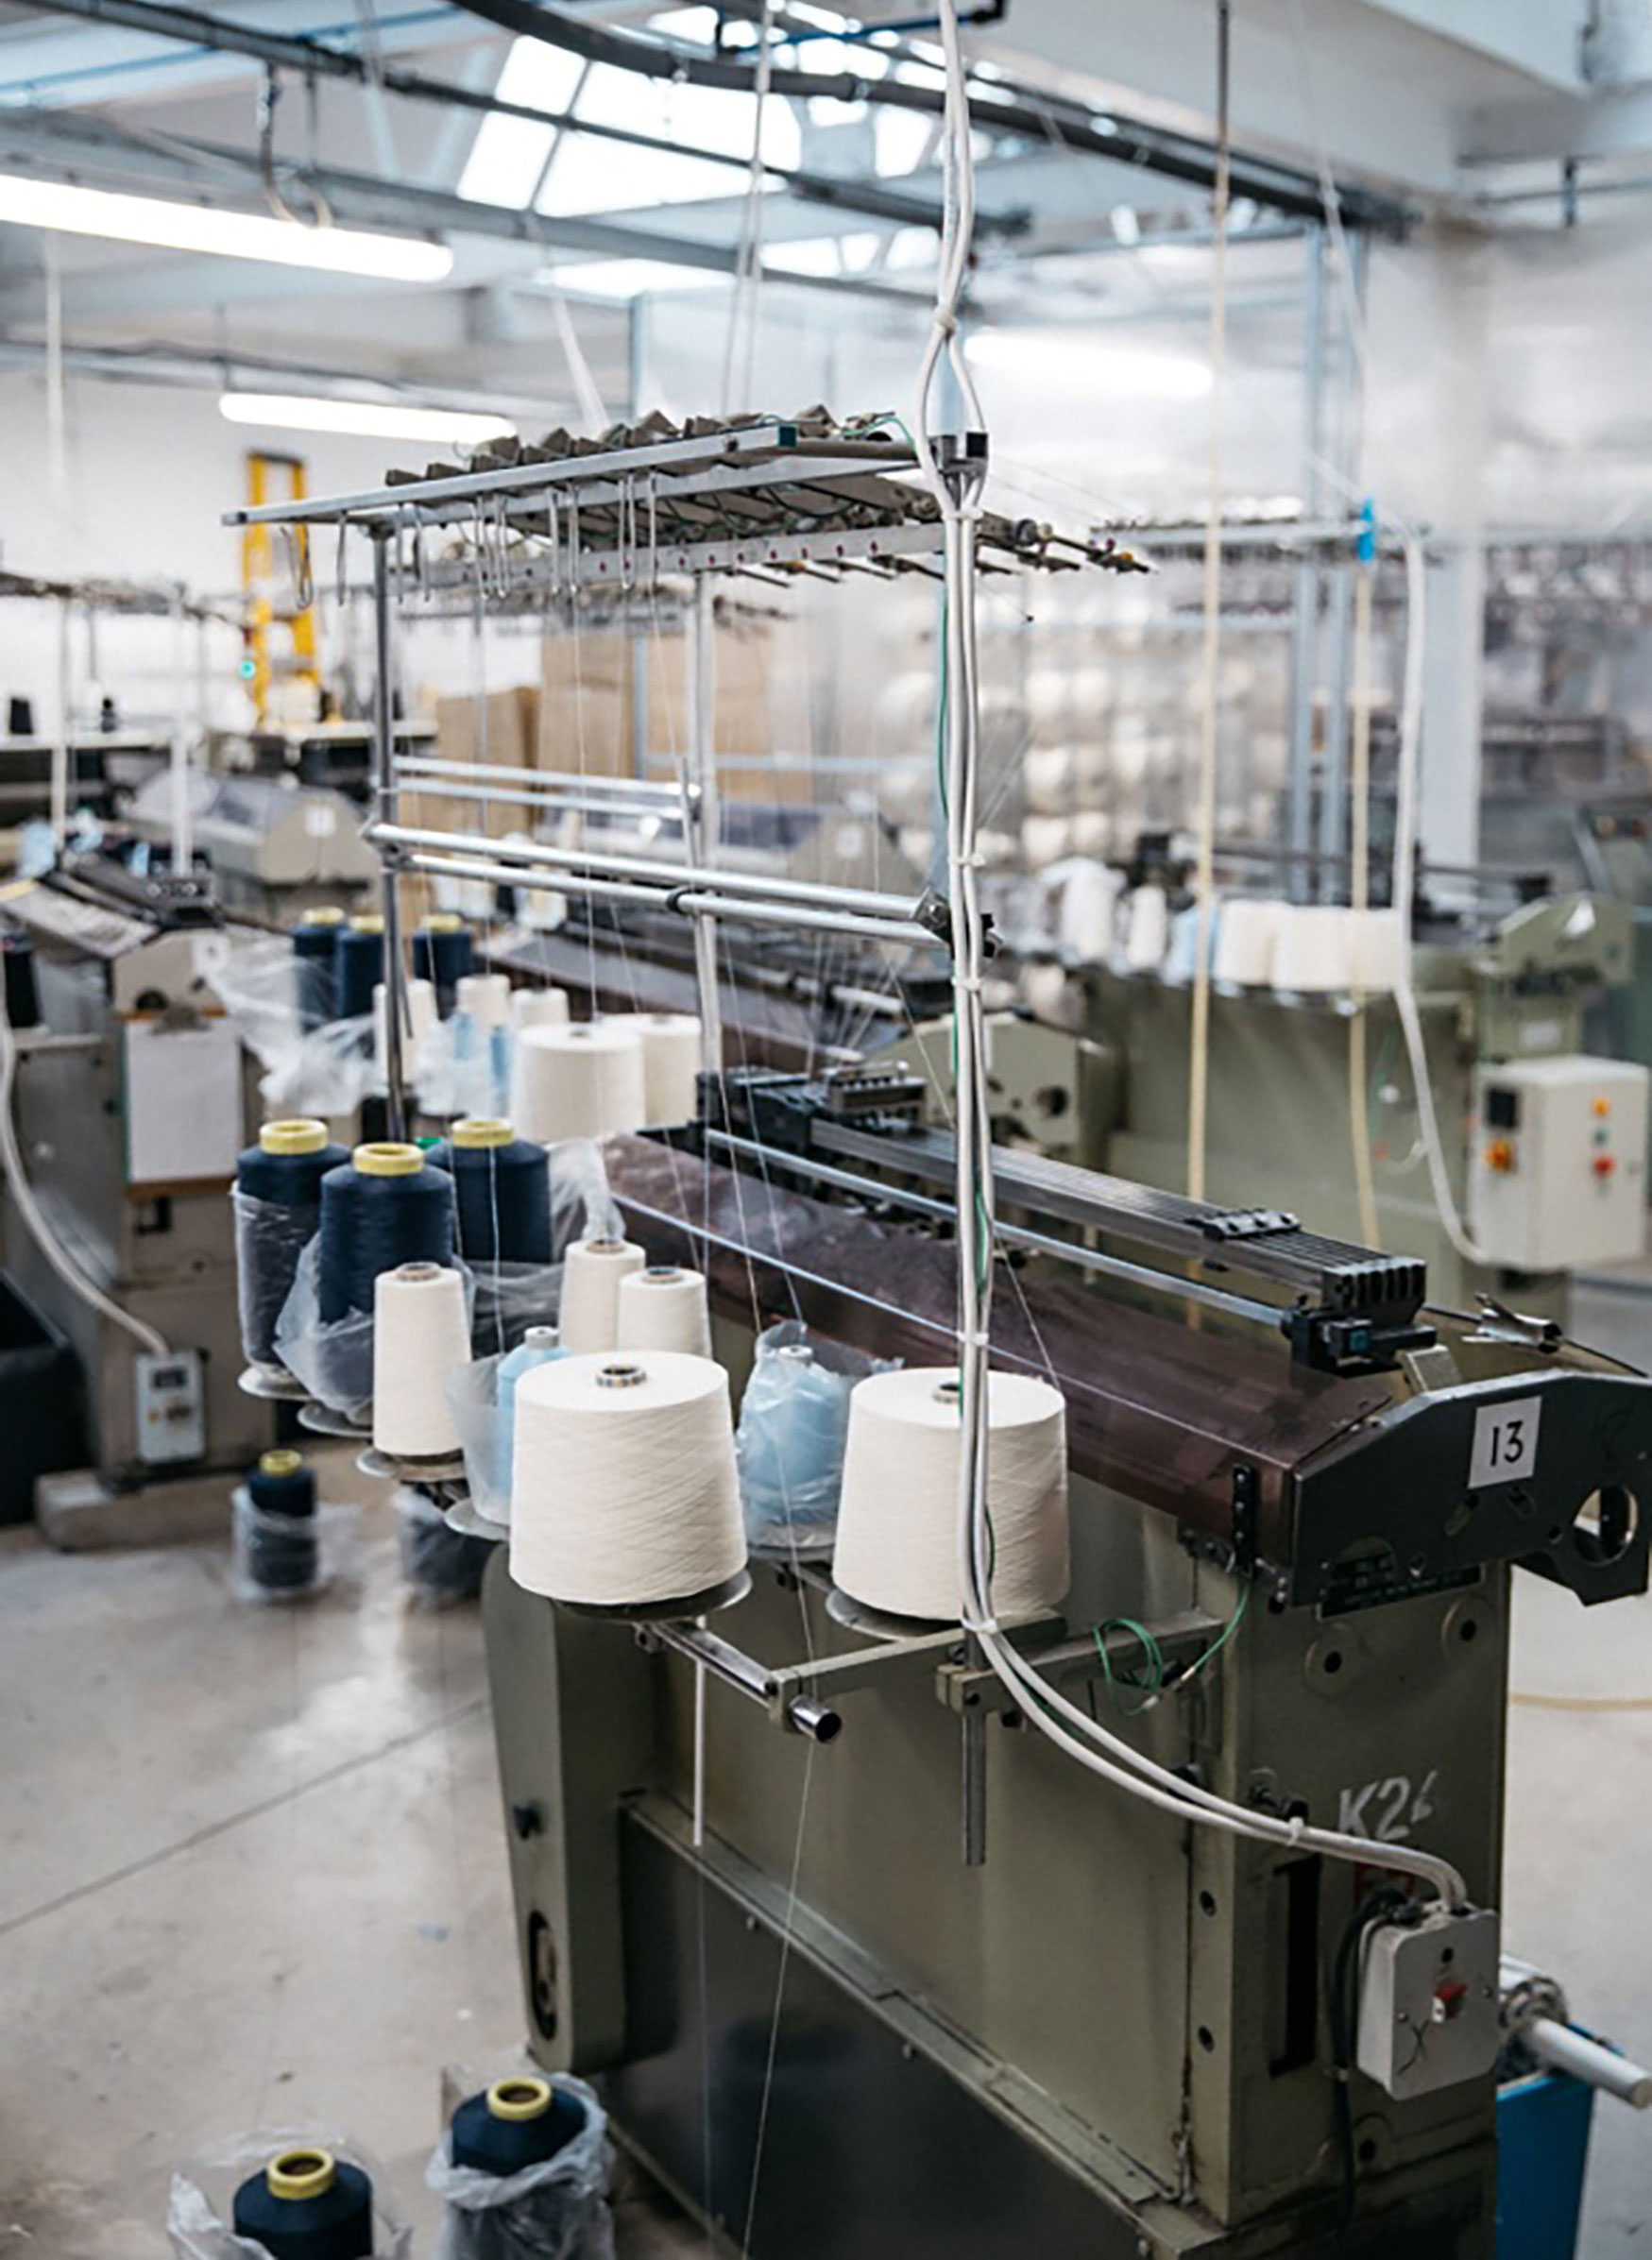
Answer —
(274, 848)
(126, 1104)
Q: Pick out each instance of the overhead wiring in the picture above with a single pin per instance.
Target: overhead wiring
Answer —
(1094, 1746)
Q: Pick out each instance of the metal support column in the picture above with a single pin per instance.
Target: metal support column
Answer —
(703, 824)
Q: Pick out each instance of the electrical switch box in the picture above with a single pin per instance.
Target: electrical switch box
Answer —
(1428, 2001)
(172, 1413)
(1557, 1165)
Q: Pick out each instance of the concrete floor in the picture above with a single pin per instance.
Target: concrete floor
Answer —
(252, 1872)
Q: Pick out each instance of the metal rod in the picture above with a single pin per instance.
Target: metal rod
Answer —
(385, 774)
(431, 765)
(1012, 1236)
(704, 827)
(686, 902)
(710, 1653)
(1567, 2050)
(809, 894)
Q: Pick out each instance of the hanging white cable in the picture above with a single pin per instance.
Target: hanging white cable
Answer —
(28, 1208)
(748, 259)
(1410, 763)
(1099, 1751)
(1358, 897)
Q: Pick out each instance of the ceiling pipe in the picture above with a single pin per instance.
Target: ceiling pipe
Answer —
(313, 59)
(997, 106)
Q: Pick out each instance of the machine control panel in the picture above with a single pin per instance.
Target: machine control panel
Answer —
(172, 1416)
(1557, 1165)
(1428, 2003)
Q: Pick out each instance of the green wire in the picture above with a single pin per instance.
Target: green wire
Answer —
(1153, 1654)
(1221, 1639)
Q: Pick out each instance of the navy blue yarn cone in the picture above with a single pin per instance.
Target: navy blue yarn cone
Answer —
(314, 947)
(358, 968)
(502, 1184)
(384, 1208)
(285, 1169)
(334, 2224)
(490, 2144)
(282, 1553)
(443, 953)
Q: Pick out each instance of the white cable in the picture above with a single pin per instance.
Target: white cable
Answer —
(1100, 1751)
(1404, 892)
(28, 1208)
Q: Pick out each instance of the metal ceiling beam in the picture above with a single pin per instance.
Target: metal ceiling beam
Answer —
(313, 58)
(72, 142)
(999, 107)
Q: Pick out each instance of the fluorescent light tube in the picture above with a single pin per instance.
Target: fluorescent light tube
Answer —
(368, 420)
(73, 211)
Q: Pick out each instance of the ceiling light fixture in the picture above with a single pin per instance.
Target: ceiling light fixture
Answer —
(1104, 370)
(71, 211)
(365, 420)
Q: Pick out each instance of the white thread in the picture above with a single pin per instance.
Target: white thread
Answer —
(420, 1336)
(897, 1523)
(579, 1082)
(539, 1008)
(485, 997)
(421, 1017)
(589, 1313)
(623, 1489)
(1247, 933)
(664, 1308)
(1312, 949)
(672, 1052)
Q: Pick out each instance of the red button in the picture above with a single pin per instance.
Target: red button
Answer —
(1603, 1164)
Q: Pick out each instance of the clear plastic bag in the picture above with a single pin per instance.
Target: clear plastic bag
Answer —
(556, 2211)
(277, 1558)
(793, 1425)
(325, 1071)
(473, 1401)
(443, 1566)
(582, 1206)
(270, 1240)
(201, 2203)
(509, 1299)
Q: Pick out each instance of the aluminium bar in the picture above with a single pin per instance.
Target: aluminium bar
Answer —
(808, 893)
(1012, 1235)
(716, 451)
(385, 796)
(432, 765)
(685, 901)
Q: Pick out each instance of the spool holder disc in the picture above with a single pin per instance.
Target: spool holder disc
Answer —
(271, 1384)
(326, 1420)
(878, 1623)
(702, 1604)
(465, 1520)
(389, 1467)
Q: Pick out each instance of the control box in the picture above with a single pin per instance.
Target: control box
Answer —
(172, 1413)
(1429, 2009)
(1557, 1166)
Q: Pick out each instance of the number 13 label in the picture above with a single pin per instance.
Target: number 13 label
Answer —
(1506, 1442)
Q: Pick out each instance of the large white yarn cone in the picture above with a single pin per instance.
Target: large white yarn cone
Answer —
(579, 1082)
(420, 1335)
(897, 1523)
(623, 1489)
(1147, 930)
(589, 1318)
(662, 1308)
(672, 1047)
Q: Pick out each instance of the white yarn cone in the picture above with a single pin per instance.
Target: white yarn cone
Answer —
(485, 997)
(623, 1489)
(1376, 950)
(662, 1308)
(420, 1335)
(1147, 933)
(589, 1314)
(672, 1047)
(539, 1008)
(1246, 929)
(1312, 949)
(897, 1523)
(422, 1016)
(579, 1082)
